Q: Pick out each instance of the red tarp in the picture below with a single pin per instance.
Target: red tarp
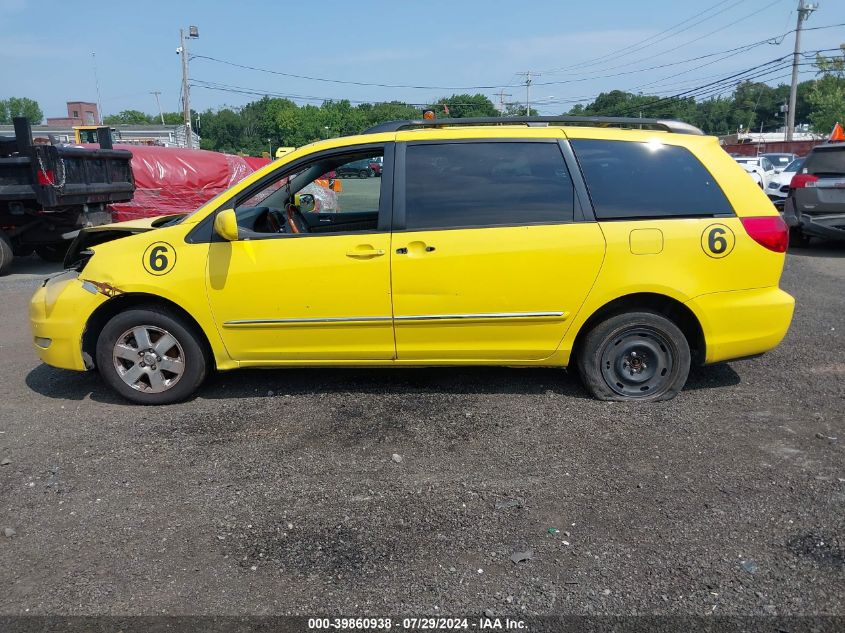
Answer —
(173, 180)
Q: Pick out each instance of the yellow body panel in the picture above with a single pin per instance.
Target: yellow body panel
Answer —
(277, 299)
(530, 280)
(311, 300)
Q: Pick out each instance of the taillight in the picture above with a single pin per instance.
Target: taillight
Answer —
(769, 231)
(45, 177)
(799, 181)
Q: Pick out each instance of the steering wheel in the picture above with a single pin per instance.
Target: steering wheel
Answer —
(275, 221)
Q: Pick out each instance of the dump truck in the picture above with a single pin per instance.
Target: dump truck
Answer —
(49, 192)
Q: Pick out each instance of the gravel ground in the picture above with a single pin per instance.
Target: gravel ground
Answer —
(408, 492)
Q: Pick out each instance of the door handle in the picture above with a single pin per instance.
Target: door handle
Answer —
(364, 253)
(415, 248)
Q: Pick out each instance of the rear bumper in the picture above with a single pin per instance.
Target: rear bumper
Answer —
(742, 323)
(829, 226)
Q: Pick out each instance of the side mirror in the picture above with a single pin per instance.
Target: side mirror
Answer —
(226, 225)
(304, 202)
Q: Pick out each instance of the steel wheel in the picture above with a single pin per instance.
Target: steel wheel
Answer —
(148, 359)
(636, 362)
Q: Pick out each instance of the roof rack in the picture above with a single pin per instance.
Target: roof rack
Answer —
(677, 127)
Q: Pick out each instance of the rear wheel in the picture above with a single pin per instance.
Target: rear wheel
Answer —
(151, 356)
(364, 173)
(634, 356)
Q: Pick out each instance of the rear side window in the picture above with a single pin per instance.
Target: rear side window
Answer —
(454, 185)
(826, 161)
(647, 180)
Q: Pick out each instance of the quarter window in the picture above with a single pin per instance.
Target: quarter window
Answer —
(453, 185)
(647, 180)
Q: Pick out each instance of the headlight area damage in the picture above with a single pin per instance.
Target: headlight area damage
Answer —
(80, 250)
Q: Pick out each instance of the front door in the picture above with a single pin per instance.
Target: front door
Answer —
(309, 278)
(489, 261)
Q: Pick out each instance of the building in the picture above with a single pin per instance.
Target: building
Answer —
(78, 113)
(140, 134)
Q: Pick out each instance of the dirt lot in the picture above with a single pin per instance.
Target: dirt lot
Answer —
(277, 492)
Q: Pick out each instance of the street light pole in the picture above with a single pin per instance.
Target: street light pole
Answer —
(158, 103)
(527, 75)
(97, 84)
(804, 11)
(193, 33)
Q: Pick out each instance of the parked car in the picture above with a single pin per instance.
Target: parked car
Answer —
(376, 165)
(759, 168)
(780, 160)
(816, 203)
(357, 169)
(778, 188)
(628, 254)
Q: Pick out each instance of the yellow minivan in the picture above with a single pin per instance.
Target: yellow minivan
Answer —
(629, 248)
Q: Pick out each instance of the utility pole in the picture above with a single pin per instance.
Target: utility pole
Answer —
(804, 11)
(97, 83)
(502, 94)
(528, 75)
(193, 33)
(158, 103)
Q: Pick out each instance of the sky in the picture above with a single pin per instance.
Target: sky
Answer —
(574, 50)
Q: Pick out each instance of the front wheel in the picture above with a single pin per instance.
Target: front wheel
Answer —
(151, 356)
(634, 356)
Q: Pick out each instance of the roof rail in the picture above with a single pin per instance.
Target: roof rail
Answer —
(678, 127)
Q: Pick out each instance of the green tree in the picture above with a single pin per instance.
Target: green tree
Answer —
(128, 117)
(827, 96)
(465, 105)
(20, 106)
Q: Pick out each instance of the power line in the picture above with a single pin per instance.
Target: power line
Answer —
(718, 86)
(701, 37)
(344, 81)
(806, 54)
(510, 83)
(636, 45)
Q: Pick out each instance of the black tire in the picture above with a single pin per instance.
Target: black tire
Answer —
(797, 239)
(7, 254)
(52, 252)
(634, 356)
(188, 347)
(364, 173)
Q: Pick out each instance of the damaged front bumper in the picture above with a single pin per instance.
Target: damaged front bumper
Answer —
(58, 313)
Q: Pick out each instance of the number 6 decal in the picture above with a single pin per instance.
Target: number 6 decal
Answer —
(159, 258)
(718, 241)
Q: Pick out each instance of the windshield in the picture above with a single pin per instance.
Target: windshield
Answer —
(794, 165)
(779, 159)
